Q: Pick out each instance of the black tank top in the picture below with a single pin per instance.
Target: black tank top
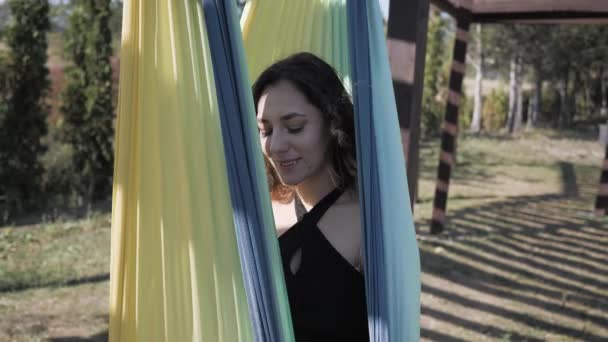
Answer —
(326, 294)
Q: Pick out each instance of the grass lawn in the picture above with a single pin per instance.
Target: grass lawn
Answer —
(521, 257)
(54, 278)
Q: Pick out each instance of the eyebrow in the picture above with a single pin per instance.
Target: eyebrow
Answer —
(285, 117)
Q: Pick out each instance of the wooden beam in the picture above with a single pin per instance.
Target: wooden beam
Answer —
(449, 131)
(529, 11)
(543, 17)
(538, 6)
(453, 7)
(406, 41)
(590, 21)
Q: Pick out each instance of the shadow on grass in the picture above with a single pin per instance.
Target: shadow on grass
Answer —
(524, 268)
(60, 212)
(101, 337)
(63, 283)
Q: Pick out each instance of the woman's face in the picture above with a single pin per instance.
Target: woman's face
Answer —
(292, 133)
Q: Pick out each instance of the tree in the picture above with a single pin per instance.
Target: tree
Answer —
(24, 123)
(570, 59)
(477, 61)
(99, 100)
(511, 51)
(603, 91)
(4, 16)
(88, 106)
(515, 92)
(434, 81)
(521, 48)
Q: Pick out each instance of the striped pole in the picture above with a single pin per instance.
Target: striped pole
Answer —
(406, 45)
(601, 201)
(449, 130)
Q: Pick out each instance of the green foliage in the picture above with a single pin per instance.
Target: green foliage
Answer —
(434, 79)
(567, 56)
(4, 17)
(3, 111)
(24, 122)
(465, 114)
(550, 103)
(116, 22)
(59, 176)
(4, 72)
(494, 112)
(88, 107)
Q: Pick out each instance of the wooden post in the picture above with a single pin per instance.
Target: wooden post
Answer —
(601, 201)
(406, 42)
(449, 131)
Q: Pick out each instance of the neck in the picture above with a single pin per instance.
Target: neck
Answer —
(313, 190)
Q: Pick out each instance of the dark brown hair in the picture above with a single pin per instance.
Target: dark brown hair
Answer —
(322, 87)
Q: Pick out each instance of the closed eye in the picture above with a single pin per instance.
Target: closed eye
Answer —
(295, 130)
(264, 132)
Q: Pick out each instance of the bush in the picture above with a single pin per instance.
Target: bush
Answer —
(24, 122)
(432, 114)
(494, 111)
(550, 104)
(59, 172)
(465, 114)
(88, 99)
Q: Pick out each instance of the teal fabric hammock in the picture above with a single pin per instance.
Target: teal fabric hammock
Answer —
(391, 253)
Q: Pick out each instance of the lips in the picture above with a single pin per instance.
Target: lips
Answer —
(287, 164)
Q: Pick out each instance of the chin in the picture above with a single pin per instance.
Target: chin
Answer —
(290, 181)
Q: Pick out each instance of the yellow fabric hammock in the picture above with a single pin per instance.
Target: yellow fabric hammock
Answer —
(273, 30)
(175, 270)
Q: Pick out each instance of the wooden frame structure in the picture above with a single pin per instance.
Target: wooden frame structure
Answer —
(406, 43)
(408, 59)
(529, 11)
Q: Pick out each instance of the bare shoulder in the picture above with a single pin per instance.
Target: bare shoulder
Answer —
(341, 225)
(346, 211)
(284, 216)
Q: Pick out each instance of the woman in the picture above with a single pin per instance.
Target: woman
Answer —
(306, 124)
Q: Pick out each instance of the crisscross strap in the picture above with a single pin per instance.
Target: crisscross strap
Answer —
(295, 236)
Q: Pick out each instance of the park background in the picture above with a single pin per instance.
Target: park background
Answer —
(522, 257)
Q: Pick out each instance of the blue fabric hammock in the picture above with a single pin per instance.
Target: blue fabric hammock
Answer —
(256, 236)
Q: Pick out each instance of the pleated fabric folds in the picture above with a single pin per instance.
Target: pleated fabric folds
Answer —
(393, 286)
(175, 268)
(349, 36)
(275, 29)
(256, 235)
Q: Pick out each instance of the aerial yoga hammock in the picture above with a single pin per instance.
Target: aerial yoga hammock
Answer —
(194, 250)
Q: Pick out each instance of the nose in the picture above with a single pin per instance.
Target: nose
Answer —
(277, 143)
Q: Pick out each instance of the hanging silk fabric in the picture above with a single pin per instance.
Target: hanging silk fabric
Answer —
(175, 272)
(247, 178)
(276, 29)
(175, 268)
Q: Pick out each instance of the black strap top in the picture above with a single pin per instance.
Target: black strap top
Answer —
(326, 294)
